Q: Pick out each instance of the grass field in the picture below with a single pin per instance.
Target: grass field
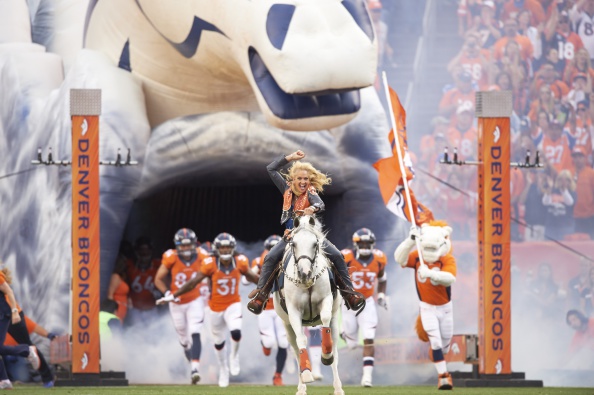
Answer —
(288, 390)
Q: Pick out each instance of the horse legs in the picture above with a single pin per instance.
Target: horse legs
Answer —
(301, 387)
(336, 379)
(301, 342)
(327, 332)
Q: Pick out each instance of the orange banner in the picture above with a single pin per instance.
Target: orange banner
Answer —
(85, 244)
(494, 246)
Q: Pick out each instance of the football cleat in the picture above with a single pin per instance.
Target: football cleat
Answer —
(33, 357)
(277, 380)
(5, 385)
(366, 381)
(195, 377)
(444, 382)
(234, 365)
(224, 377)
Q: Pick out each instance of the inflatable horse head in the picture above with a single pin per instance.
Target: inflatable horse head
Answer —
(300, 62)
(435, 240)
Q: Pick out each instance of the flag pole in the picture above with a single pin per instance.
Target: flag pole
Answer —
(401, 162)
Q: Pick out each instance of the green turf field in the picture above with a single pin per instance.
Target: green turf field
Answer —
(289, 390)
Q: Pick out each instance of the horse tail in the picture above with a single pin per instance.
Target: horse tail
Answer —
(422, 335)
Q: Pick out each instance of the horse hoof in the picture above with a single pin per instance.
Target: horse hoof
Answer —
(328, 361)
(307, 376)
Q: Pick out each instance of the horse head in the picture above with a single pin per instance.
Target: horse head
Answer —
(306, 247)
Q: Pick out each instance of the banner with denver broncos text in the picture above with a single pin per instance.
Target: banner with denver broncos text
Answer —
(494, 246)
(85, 244)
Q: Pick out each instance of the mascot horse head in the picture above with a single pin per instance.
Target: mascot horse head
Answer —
(306, 249)
(435, 240)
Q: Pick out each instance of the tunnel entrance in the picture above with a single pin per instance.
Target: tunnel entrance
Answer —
(250, 213)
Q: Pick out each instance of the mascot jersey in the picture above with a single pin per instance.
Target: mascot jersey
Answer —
(224, 280)
(364, 274)
(182, 272)
(428, 291)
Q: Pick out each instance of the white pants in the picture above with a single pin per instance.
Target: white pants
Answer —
(272, 330)
(229, 319)
(438, 322)
(366, 322)
(188, 318)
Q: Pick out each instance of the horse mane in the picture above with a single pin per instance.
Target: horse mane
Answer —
(316, 229)
(440, 222)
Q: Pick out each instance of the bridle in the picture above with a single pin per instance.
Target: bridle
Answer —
(296, 260)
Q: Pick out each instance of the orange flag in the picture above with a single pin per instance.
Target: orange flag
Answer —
(391, 174)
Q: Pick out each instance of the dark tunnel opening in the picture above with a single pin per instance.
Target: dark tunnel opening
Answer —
(250, 213)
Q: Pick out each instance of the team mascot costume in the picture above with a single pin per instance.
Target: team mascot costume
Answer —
(434, 278)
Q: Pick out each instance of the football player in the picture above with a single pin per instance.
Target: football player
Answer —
(224, 269)
(366, 267)
(140, 274)
(187, 312)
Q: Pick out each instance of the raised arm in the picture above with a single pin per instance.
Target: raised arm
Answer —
(401, 253)
(277, 164)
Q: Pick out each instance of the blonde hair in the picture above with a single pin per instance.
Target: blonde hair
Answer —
(7, 274)
(567, 175)
(317, 179)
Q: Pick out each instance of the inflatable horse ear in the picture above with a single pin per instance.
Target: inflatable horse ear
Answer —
(312, 221)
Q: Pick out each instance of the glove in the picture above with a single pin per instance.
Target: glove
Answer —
(51, 336)
(415, 232)
(382, 300)
(167, 298)
(424, 272)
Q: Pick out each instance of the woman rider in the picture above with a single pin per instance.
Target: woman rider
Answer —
(300, 193)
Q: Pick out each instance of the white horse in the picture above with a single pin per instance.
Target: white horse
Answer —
(309, 299)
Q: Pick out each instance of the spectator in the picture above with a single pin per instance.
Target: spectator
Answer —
(512, 8)
(582, 128)
(556, 146)
(381, 30)
(579, 64)
(110, 330)
(486, 25)
(140, 274)
(472, 59)
(535, 211)
(582, 343)
(581, 15)
(119, 289)
(462, 95)
(510, 28)
(578, 284)
(544, 292)
(559, 200)
(463, 135)
(545, 103)
(432, 145)
(16, 366)
(512, 63)
(547, 75)
(526, 28)
(583, 211)
(558, 35)
(9, 314)
(581, 88)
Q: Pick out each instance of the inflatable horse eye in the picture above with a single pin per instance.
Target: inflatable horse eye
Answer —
(301, 64)
(296, 222)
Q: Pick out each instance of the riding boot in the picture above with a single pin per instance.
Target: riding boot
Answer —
(259, 295)
(353, 299)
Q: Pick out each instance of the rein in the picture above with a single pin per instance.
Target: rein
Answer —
(313, 261)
